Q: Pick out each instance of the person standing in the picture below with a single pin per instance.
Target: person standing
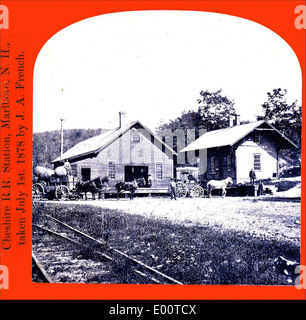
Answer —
(252, 176)
(172, 186)
(67, 166)
(150, 181)
(260, 188)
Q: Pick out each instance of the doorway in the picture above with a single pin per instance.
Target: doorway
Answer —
(85, 172)
(135, 172)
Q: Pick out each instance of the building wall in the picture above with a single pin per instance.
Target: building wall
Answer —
(123, 151)
(245, 158)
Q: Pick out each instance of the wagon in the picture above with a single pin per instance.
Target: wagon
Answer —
(186, 188)
(189, 186)
(57, 187)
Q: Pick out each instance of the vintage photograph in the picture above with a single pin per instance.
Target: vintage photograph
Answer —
(167, 150)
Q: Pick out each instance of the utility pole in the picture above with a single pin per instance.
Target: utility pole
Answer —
(62, 138)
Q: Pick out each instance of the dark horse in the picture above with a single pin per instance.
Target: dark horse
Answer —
(129, 186)
(94, 186)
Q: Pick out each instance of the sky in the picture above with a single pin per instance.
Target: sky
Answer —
(153, 65)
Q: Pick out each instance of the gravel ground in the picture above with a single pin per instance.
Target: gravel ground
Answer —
(257, 216)
(233, 240)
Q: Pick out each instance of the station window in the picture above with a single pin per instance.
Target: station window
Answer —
(135, 136)
(257, 161)
(74, 169)
(159, 171)
(111, 170)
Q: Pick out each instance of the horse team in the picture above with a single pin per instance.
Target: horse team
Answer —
(98, 185)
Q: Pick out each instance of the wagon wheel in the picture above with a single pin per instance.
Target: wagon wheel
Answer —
(197, 192)
(181, 189)
(62, 193)
(37, 191)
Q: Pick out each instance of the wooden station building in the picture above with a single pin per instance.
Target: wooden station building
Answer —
(235, 150)
(125, 153)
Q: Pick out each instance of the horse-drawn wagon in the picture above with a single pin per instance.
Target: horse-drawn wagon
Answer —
(194, 189)
(189, 184)
(61, 188)
(60, 184)
(197, 189)
(53, 184)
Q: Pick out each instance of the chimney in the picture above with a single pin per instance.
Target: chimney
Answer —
(121, 119)
(230, 121)
(237, 119)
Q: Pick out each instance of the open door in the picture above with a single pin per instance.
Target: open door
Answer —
(135, 172)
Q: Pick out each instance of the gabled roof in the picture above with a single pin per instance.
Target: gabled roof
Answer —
(96, 144)
(229, 136)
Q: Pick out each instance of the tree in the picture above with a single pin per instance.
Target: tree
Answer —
(284, 116)
(287, 118)
(215, 109)
(212, 113)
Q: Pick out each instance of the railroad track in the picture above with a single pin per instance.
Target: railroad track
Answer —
(74, 256)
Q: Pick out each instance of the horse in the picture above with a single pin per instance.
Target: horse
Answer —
(122, 186)
(218, 184)
(94, 186)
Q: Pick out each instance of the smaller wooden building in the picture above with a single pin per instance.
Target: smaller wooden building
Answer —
(234, 151)
(126, 153)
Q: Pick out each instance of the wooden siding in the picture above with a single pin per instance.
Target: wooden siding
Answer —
(124, 152)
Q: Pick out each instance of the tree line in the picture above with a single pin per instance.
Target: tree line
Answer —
(46, 145)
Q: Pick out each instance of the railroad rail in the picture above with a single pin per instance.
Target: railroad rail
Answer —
(39, 270)
(102, 251)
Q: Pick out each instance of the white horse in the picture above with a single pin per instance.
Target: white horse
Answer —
(218, 184)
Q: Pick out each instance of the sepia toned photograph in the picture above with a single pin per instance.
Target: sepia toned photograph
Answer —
(167, 150)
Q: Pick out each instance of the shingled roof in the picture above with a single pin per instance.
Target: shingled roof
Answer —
(231, 135)
(98, 143)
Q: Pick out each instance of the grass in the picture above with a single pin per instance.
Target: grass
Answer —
(194, 254)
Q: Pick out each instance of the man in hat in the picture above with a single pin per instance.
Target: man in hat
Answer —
(172, 186)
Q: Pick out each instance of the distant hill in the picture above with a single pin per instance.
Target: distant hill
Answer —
(47, 145)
